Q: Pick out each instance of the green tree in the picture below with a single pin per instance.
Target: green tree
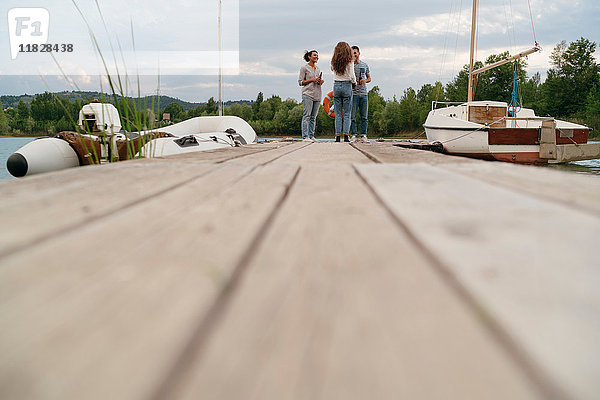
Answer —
(289, 103)
(456, 90)
(212, 108)
(568, 84)
(45, 107)
(376, 107)
(410, 111)
(4, 127)
(325, 124)
(257, 103)
(391, 118)
(197, 111)
(275, 102)
(426, 95)
(22, 111)
(592, 110)
(243, 111)
(496, 83)
(22, 121)
(176, 110)
(294, 119)
(265, 111)
(532, 94)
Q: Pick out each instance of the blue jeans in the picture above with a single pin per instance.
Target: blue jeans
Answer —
(342, 105)
(360, 102)
(309, 116)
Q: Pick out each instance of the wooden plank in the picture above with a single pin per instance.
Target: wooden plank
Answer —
(514, 136)
(227, 154)
(103, 311)
(387, 153)
(579, 192)
(531, 136)
(491, 115)
(529, 264)
(325, 154)
(338, 304)
(37, 207)
(571, 136)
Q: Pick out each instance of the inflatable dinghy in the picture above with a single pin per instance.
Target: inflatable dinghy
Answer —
(104, 141)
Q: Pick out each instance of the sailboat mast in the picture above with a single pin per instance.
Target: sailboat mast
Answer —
(220, 58)
(472, 56)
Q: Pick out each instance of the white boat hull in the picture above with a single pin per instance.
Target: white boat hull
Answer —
(504, 139)
(192, 135)
(204, 133)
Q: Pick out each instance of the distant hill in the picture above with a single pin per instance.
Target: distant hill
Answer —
(73, 96)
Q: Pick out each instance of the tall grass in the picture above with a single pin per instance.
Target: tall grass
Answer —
(132, 113)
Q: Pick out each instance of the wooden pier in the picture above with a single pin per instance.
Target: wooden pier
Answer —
(301, 271)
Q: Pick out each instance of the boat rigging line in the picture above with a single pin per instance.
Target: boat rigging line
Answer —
(532, 27)
(474, 130)
(514, 107)
(454, 16)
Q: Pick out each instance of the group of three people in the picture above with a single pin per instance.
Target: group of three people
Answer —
(350, 76)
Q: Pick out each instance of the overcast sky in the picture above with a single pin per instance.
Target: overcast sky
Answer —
(405, 43)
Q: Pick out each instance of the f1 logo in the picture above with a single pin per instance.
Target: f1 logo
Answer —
(27, 26)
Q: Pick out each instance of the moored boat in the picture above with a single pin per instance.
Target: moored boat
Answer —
(484, 129)
(104, 141)
(505, 132)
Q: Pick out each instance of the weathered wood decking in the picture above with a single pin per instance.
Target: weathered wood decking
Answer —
(301, 271)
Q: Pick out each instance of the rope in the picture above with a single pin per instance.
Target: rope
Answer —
(418, 136)
(473, 131)
(456, 37)
(445, 53)
(476, 42)
(532, 27)
(455, 9)
(514, 107)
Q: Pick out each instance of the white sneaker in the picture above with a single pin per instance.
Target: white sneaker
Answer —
(364, 139)
(313, 139)
(306, 140)
(353, 138)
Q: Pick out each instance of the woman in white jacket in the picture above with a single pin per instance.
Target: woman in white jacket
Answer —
(344, 80)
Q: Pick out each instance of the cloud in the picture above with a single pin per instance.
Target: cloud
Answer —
(405, 43)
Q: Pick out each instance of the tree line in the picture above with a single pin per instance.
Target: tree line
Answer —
(571, 91)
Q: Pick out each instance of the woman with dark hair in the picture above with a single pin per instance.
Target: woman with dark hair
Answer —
(344, 80)
(310, 80)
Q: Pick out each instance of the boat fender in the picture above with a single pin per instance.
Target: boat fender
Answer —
(187, 141)
(17, 165)
(328, 105)
(437, 147)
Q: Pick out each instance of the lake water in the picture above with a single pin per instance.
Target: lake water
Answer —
(9, 145)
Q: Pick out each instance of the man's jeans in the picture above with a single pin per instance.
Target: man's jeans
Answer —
(342, 105)
(309, 116)
(360, 102)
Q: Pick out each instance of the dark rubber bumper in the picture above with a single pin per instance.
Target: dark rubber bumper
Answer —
(17, 165)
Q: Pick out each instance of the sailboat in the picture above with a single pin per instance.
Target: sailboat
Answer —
(495, 130)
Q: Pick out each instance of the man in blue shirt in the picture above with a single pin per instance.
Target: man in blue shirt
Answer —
(360, 98)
